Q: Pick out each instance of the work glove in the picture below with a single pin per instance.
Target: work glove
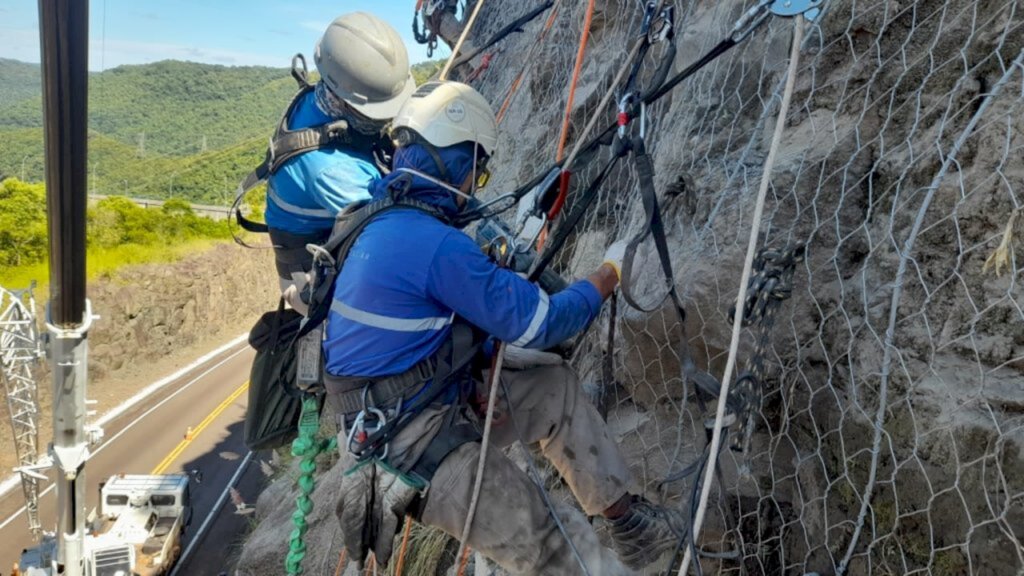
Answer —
(294, 295)
(614, 256)
(354, 512)
(372, 511)
(392, 501)
(518, 358)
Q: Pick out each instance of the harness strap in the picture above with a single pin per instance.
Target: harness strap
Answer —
(654, 226)
(345, 393)
(286, 144)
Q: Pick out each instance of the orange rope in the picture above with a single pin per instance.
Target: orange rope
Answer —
(370, 566)
(542, 238)
(463, 562)
(584, 36)
(526, 65)
(405, 545)
(341, 562)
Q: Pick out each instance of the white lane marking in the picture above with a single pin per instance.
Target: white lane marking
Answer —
(198, 536)
(110, 440)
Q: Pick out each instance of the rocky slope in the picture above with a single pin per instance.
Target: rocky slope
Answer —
(889, 439)
(157, 318)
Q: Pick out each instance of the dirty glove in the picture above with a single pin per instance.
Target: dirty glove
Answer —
(390, 504)
(372, 511)
(614, 256)
(354, 512)
(518, 358)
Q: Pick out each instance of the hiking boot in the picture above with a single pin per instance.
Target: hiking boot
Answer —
(645, 532)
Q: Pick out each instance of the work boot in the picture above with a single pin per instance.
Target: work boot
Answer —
(645, 531)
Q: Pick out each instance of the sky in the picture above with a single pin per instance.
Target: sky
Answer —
(228, 32)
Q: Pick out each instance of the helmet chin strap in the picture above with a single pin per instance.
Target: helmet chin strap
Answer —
(433, 180)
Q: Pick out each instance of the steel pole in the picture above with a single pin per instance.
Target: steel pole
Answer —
(64, 36)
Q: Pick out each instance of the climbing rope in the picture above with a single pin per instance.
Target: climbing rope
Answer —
(499, 359)
(755, 229)
(307, 447)
(514, 26)
(527, 63)
(584, 36)
(404, 547)
(462, 38)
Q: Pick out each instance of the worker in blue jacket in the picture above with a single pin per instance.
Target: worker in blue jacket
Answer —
(364, 80)
(409, 283)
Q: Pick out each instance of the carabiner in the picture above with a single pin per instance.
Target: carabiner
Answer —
(625, 118)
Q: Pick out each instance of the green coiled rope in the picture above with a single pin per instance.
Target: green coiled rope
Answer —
(307, 447)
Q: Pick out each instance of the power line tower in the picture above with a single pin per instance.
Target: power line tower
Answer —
(202, 148)
(20, 353)
(141, 152)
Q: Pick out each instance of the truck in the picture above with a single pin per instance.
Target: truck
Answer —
(137, 532)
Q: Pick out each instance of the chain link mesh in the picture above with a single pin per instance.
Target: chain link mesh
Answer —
(890, 430)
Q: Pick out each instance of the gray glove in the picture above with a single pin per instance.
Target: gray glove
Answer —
(518, 358)
(392, 500)
(372, 511)
(354, 512)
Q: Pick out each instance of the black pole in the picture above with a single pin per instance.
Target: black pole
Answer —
(64, 39)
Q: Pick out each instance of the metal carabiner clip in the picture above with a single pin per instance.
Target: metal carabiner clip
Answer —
(625, 118)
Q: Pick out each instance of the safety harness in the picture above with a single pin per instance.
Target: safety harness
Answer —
(287, 143)
(374, 410)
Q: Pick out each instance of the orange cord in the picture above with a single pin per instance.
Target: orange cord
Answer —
(584, 36)
(564, 137)
(370, 566)
(341, 562)
(463, 562)
(519, 77)
(405, 545)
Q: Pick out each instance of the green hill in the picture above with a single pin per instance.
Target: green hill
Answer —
(18, 81)
(169, 129)
(171, 107)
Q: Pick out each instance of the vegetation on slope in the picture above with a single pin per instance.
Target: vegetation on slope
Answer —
(119, 232)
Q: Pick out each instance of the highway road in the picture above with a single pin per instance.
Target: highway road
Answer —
(151, 438)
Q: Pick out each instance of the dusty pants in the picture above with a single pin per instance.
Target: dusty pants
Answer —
(513, 525)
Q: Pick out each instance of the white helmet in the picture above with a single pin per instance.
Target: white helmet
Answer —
(363, 61)
(448, 113)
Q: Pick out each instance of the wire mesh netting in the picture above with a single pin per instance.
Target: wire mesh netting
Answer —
(887, 436)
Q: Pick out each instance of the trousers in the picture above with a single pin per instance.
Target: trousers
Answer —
(513, 525)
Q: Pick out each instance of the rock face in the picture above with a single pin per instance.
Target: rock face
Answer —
(889, 437)
(153, 309)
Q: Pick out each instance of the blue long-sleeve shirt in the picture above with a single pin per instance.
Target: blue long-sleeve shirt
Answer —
(409, 274)
(308, 191)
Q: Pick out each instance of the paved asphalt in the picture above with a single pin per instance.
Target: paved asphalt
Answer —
(150, 438)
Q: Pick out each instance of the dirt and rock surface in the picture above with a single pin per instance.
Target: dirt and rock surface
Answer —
(877, 174)
(157, 318)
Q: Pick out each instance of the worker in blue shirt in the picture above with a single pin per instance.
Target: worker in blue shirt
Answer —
(364, 80)
(409, 286)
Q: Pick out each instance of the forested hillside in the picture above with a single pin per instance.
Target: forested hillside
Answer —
(164, 130)
(169, 129)
(18, 81)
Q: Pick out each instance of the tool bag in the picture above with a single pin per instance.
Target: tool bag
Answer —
(275, 401)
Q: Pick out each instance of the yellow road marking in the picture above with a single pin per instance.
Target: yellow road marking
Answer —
(169, 459)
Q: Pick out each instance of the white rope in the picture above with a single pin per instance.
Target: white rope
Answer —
(897, 293)
(484, 443)
(462, 38)
(737, 323)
